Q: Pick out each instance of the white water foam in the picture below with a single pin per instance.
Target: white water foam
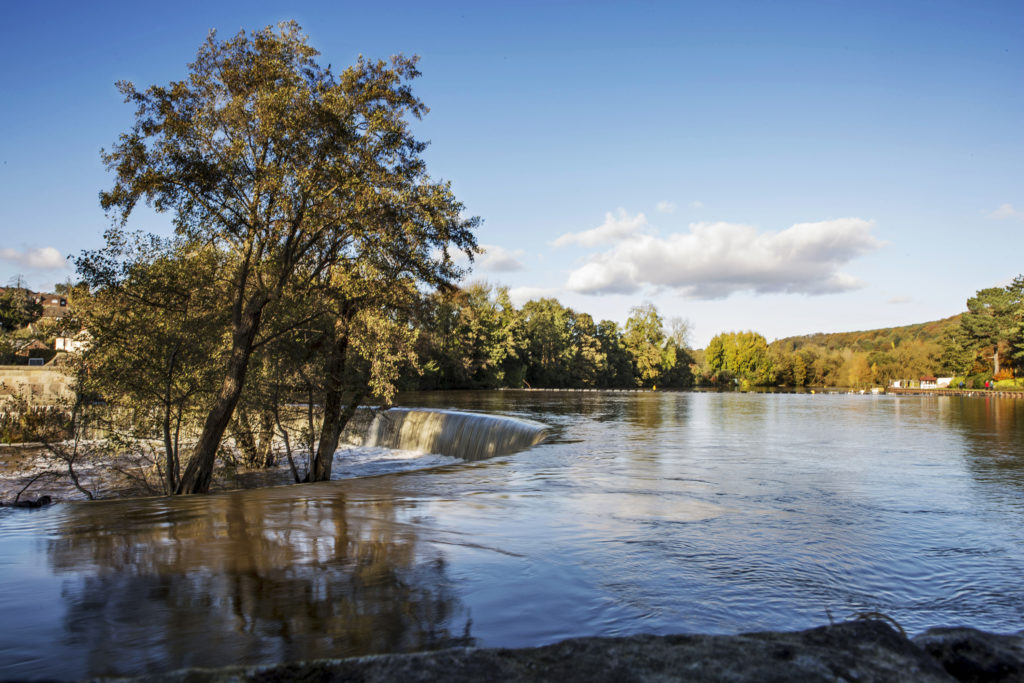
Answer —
(367, 461)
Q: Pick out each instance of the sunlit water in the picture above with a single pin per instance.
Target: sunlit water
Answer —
(642, 513)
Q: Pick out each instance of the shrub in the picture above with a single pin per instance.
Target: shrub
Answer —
(978, 380)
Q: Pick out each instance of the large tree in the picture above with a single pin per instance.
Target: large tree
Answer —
(617, 370)
(957, 354)
(742, 356)
(1016, 322)
(992, 317)
(292, 170)
(547, 329)
(645, 340)
(588, 362)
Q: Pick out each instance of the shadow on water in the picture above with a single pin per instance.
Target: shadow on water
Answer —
(255, 576)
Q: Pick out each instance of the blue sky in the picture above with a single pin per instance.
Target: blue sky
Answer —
(783, 167)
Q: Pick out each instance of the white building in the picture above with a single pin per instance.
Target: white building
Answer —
(75, 344)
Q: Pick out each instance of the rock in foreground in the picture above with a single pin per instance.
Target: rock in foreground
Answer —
(854, 651)
(971, 655)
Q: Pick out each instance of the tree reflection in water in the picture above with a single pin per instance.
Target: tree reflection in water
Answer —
(253, 576)
(993, 429)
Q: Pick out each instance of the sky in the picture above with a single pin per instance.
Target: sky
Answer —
(784, 167)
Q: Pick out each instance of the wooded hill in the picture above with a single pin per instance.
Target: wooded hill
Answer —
(875, 340)
(848, 359)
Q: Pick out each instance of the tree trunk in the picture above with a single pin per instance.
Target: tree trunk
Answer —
(336, 415)
(320, 468)
(329, 437)
(265, 454)
(199, 472)
(995, 359)
(170, 475)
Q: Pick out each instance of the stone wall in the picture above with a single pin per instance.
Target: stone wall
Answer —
(42, 385)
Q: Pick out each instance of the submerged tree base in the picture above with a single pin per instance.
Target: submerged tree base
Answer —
(28, 472)
(859, 650)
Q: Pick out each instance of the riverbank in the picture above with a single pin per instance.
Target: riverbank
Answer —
(862, 650)
(974, 393)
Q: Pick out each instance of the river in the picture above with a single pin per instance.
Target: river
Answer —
(642, 512)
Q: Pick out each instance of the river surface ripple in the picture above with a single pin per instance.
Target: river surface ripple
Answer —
(658, 513)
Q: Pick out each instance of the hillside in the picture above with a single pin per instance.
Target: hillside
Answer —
(874, 340)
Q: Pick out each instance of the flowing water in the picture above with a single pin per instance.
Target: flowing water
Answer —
(467, 436)
(657, 513)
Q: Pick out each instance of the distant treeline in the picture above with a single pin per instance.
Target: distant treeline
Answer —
(984, 343)
(476, 338)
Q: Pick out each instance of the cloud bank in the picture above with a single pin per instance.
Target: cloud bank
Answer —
(715, 260)
(494, 258)
(520, 295)
(615, 227)
(43, 258)
(499, 259)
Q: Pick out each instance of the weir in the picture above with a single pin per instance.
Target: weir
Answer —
(469, 436)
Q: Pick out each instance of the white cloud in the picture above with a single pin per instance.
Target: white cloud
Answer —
(459, 258)
(715, 260)
(499, 259)
(666, 206)
(696, 204)
(520, 295)
(1006, 211)
(615, 227)
(44, 258)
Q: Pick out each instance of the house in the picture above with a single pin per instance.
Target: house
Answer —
(54, 305)
(26, 348)
(929, 382)
(75, 344)
(31, 349)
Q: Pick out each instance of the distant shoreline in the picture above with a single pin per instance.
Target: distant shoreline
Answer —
(978, 393)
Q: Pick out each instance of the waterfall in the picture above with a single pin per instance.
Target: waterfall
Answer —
(469, 436)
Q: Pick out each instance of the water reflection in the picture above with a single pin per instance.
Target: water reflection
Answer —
(993, 431)
(251, 577)
(657, 513)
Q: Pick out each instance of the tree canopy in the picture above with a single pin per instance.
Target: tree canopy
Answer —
(17, 306)
(298, 176)
(742, 356)
(993, 319)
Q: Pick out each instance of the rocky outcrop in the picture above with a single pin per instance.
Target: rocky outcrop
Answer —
(861, 651)
(971, 655)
